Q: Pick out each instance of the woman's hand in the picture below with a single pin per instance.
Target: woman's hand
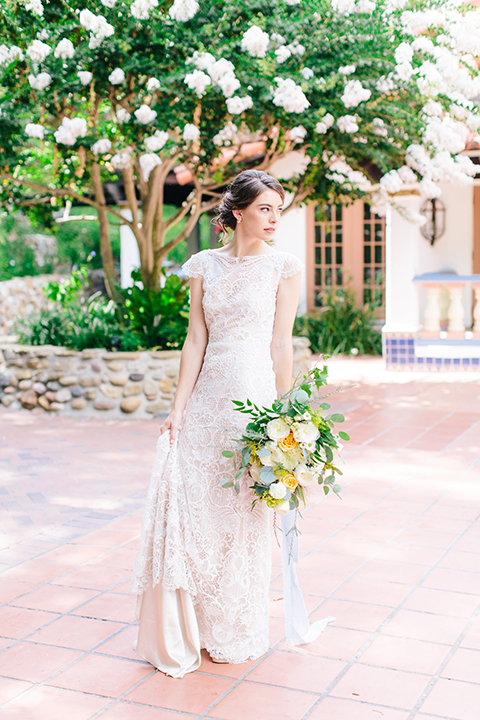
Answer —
(172, 423)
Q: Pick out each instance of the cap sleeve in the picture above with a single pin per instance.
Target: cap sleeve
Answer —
(291, 266)
(194, 266)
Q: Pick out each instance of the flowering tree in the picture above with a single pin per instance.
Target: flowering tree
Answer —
(365, 96)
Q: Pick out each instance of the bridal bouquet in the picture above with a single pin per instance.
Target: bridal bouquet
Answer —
(288, 446)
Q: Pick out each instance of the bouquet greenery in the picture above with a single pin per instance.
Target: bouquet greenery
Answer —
(288, 446)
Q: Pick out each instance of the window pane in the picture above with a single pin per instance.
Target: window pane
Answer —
(378, 253)
(367, 254)
(328, 233)
(328, 256)
(339, 213)
(328, 276)
(367, 276)
(378, 276)
(378, 233)
(366, 211)
(318, 276)
(328, 212)
(366, 296)
(338, 234)
(319, 215)
(367, 233)
(378, 299)
(339, 277)
(318, 234)
(318, 255)
(338, 255)
(318, 300)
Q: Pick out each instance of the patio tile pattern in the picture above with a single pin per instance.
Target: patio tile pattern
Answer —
(396, 561)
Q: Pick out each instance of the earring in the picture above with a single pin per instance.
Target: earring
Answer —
(239, 219)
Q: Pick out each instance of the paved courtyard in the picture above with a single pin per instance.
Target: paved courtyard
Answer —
(396, 561)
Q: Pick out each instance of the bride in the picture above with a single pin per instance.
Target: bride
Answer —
(203, 567)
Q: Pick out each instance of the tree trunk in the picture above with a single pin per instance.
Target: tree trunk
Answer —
(105, 244)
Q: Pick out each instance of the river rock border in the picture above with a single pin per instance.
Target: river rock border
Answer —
(55, 380)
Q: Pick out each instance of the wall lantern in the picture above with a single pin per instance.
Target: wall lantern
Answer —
(434, 211)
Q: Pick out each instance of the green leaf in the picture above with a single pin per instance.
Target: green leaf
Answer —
(326, 489)
(329, 453)
(228, 453)
(301, 397)
(237, 488)
(227, 483)
(337, 418)
(336, 488)
(344, 435)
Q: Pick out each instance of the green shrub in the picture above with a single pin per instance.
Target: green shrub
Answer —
(340, 326)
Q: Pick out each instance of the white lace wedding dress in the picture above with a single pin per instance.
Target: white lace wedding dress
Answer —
(203, 567)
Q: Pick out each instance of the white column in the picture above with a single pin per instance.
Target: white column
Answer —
(476, 309)
(129, 254)
(456, 310)
(432, 312)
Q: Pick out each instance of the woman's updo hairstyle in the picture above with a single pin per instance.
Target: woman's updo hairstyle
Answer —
(248, 185)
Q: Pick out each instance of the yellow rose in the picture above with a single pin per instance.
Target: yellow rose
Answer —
(288, 443)
(290, 481)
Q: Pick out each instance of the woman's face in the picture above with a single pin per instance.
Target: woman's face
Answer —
(260, 219)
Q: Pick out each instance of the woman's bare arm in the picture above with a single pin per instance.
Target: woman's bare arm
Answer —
(191, 359)
(281, 347)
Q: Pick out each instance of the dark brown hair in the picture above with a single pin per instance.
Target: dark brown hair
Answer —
(248, 185)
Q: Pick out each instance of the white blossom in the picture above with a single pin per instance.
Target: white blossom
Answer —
(379, 203)
(419, 22)
(255, 41)
(70, 130)
(355, 93)
(197, 81)
(141, 9)
(122, 115)
(153, 84)
(418, 158)
(326, 123)
(202, 60)
(102, 146)
(428, 189)
(122, 160)
(432, 109)
(237, 105)
(35, 131)
(404, 71)
(290, 96)
(148, 162)
(278, 39)
(296, 48)
(220, 68)
(407, 175)
(155, 142)
(85, 77)
(347, 124)
(117, 76)
(297, 134)
(403, 53)
(40, 82)
(343, 7)
(145, 114)
(423, 44)
(43, 35)
(391, 182)
(226, 136)
(38, 51)
(307, 73)
(64, 49)
(97, 25)
(183, 10)
(293, 2)
(109, 3)
(385, 85)
(190, 133)
(365, 6)
(228, 84)
(282, 53)
(429, 82)
(465, 32)
(35, 6)
(379, 127)
(8, 54)
(446, 134)
(347, 69)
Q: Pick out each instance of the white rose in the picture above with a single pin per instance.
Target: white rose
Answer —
(268, 459)
(283, 508)
(64, 49)
(153, 84)
(183, 10)
(277, 429)
(191, 133)
(304, 475)
(288, 460)
(85, 77)
(305, 432)
(102, 146)
(34, 130)
(121, 160)
(148, 162)
(155, 142)
(38, 51)
(278, 490)
(40, 82)
(145, 115)
(122, 115)
(117, 76)
(254, 472)
(255, 41)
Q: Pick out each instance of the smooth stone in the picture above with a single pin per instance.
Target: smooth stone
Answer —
(162, 354)
(104, 404)
(166, 385)
(23, 374)
(53, 386)
(121, 355)
(90, 394)
(29, 399)
(130, 404)
(79, 404)
(54, 375)
(172, 369)
(37, 364)
(25, 384)
(119, 379)
(115, 366)
(51, 396)
(90, 381)
(150, 389)
(130, 390)
(76, 391)
(68, 380)
(64, 395)
(96, 366)
(7, 400)
(158, 375)
(156, 407)
(13, 381)
(43, 402)
(9, 390)
(40, 388)
(57, 406)
(89, 354)
(110, 391)
(4, 379)
(136, 377)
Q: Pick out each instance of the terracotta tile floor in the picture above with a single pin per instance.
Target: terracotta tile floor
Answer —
(396, 561)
